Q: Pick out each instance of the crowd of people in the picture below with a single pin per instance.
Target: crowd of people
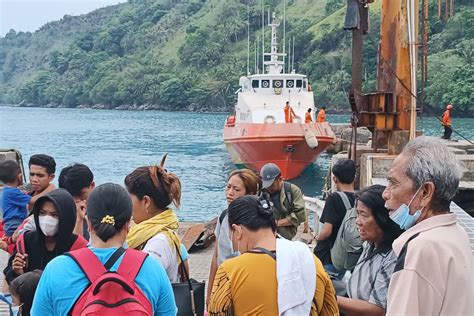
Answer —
(395, 250)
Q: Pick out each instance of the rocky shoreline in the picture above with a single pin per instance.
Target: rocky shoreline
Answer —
(133, 107)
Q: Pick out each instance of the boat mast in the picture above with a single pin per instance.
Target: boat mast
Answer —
(248, 40)
(284, 31)
(274, 65)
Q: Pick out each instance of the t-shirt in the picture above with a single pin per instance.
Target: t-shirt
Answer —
(371, 276)
(247, 285)
(160, 248)
(224, 244)
(333, 213)
(14, 203)
(63, 282)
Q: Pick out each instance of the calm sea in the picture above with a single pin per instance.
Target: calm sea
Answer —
(114, 143)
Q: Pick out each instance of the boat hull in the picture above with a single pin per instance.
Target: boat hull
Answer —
(253, 145)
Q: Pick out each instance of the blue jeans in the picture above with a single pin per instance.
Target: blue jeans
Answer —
(11, 225)
(333, 272)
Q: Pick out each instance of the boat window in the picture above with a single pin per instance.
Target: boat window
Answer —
(304, 84)
(255, 83)
(290, 83)
(299, 83)
(265, 83)
(277, 83)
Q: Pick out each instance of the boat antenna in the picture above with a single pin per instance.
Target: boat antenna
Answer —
(284, 32)
(248, 40)
(289, 55)
(263, 37)
(255, 66)
(293, 58)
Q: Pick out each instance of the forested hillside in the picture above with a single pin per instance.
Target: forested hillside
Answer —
(189, 55)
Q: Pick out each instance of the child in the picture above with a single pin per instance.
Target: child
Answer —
(14, 201)
(23, 290)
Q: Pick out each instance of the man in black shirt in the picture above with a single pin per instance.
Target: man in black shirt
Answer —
(343, 174)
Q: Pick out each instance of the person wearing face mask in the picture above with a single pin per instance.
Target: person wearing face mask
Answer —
(239, 183)
(23, 291)
(55, 215)
(268, 276)
(434, 270)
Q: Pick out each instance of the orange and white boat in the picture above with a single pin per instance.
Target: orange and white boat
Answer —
(257, 132)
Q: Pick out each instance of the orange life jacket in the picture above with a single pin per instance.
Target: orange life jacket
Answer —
(307, 118)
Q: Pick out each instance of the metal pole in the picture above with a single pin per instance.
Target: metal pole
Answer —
(412, 42)
(248, 40)
(284, 33)
(263, 38)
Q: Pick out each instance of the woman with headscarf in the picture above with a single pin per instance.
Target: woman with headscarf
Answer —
(152, 190)
(239, 183)
(368, 285)
(54, 218)
(268, 276)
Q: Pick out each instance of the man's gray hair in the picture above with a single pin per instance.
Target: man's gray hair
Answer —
(430, 160)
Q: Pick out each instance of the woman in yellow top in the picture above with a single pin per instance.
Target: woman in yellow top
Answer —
(272, 276)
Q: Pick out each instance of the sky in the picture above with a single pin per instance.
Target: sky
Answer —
(29, 15)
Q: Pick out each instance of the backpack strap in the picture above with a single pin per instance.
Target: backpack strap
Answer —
(345, 200)
(288, 194)
(131, 263)
(88, 262)
(223, 215)
(401, 257)
(79, 243)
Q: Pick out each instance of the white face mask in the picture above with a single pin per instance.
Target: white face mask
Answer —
(49, 225)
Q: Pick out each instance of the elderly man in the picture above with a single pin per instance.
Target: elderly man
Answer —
(433, 274)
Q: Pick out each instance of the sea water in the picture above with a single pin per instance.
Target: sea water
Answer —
(113, 143)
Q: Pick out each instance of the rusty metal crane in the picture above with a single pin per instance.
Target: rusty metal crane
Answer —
(390, 111)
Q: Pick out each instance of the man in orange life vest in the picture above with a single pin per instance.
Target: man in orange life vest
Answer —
(289, 113)
(307, 118)
(446, 122)
(321, 115)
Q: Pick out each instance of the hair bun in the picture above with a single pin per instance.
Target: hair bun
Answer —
(265, 208)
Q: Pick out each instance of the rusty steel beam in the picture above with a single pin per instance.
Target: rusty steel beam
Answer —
(424, 51)
(394, 74)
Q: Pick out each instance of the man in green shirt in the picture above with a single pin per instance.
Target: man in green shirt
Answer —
(288, 204)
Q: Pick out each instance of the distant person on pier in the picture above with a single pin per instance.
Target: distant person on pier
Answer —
(287, 198)
(70, 280)
(434, 270)
(289, 113)
(78, 180)
(54, 216)
(321, 115)
(152, 190)
(307, 117)
(239, 183)
(446, 122)
(343, 175)
(368, 285)
(268, 275)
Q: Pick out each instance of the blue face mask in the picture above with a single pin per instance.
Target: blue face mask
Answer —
(233, 254)
(15, 310)
(402, 215)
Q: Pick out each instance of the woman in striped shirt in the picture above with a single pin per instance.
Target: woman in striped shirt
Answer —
(368, 285)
